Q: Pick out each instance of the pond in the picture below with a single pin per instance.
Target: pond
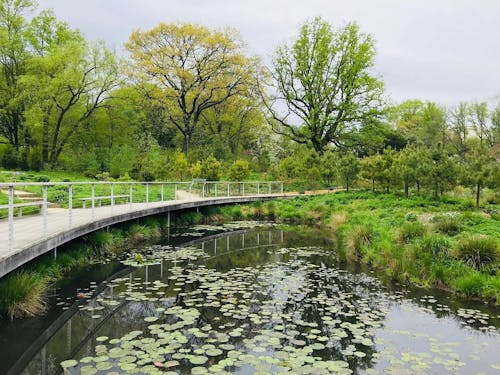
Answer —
(253, 300)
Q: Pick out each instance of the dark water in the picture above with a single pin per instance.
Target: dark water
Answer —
(259, 300)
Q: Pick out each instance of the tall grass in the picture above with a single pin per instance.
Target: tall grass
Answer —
(478, 251)
(22, 294)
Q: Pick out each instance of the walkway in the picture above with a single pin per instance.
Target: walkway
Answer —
(32, 236)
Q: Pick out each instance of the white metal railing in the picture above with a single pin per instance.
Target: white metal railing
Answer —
(108, 196)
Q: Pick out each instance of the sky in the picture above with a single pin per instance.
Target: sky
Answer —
(441, 50)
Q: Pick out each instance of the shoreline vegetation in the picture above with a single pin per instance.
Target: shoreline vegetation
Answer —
(417, 241)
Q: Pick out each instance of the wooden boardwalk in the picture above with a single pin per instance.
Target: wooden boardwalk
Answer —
(32, 238)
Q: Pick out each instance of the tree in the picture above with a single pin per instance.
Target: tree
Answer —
(13, 56)
(69, 84)
(324, 79)
(179, 165)
(442, 172)
(479, 115)
(348, 169)
(239, 170)
(406, 167)
(211, 169)
(459, 128)
(481, 170)
(371, 167)
(189, 69)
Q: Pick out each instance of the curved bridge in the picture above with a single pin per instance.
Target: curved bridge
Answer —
(103, 204)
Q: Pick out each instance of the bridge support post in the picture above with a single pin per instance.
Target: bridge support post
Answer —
(44, 209)
(55, 253)
(215, 246)
(168, 219)
(93, 201)
(130, 198)
(11, 217)
(112, 196)
(70, 205)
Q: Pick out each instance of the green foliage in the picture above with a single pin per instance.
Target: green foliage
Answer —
(22, 294)
(408, 231)
(211, 169)
(348, 169)
(478, 251)
(358, 237)
(447, 223)
(239, 170)
(436, 245)
(311, 72)
(42, 178)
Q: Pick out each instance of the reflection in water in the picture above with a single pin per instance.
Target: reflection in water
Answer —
(264, 301)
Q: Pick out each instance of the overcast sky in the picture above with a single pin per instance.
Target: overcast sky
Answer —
(441, 50)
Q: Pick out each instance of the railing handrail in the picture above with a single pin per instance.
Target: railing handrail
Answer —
(67, 183)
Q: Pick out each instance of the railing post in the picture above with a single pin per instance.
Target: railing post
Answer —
(258, 188)
(44, 209)
(270, 184)
(11, 216)
(130, 190)
(93, 201)
(162, 192)
(70, 204)
(215, 189)
(175, 192)
(112, 195)
(203, 190)
(228, 188)
(282, 188)
(147, 194)
(242, 188)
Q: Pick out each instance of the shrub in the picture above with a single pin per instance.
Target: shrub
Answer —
(477, 251)
(470, 285)
(358, 237)
(434, 244)
(447, 224)
(410, 230)
(42, 178)
(22, 295)
(411, 216)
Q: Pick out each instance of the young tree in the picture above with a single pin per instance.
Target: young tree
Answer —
(479, 115)
(459, 128)
(189, 69)
(481, 170)
(211, 169)
(442, 172)
(371, 166)
(325, 80)
(406, 167)
(348, 169)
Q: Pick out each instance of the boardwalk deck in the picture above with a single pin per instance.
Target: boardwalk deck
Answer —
(31, 238)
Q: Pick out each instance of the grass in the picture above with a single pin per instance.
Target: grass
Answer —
(22, 294)
(414, 240)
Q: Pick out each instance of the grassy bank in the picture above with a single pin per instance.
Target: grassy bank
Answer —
(417, 241)
(23, 292)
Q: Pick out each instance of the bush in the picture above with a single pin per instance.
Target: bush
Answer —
(477, 251)
(435, 244)
(42, 178)
(470, 285)
(410, 230)
(358, 237)
(22, 295)
(411, 216)
(447, 224)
